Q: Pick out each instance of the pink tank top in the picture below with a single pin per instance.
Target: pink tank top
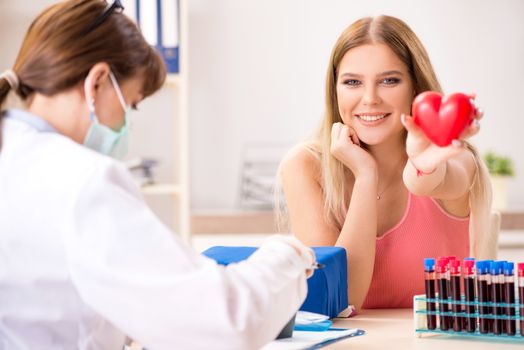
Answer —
(425, 231)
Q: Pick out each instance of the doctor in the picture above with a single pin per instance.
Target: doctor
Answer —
(83, 261)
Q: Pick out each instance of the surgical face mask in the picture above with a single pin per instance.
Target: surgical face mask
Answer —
(102, 138)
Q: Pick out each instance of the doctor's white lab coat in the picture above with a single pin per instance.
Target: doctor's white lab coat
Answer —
(83, 261)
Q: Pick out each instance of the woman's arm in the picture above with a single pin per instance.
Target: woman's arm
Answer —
(300, 174)
(450, 181)
(444, 173)
(358, 236)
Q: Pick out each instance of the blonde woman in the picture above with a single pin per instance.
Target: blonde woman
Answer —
(371, 182)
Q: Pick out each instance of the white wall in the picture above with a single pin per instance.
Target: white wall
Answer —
(257, 73)
(15, 17)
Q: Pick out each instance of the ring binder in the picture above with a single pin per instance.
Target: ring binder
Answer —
(159, 21)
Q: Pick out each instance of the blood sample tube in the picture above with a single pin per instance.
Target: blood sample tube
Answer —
(509, 297)
(482, 287)
(502, 281)
(521, 297)
(454, 270)
(469, 293)
(496, 295)
(429, 276)
(443, 292)
(490, 296)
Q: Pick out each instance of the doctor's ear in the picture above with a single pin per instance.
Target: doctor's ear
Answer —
(96, 76)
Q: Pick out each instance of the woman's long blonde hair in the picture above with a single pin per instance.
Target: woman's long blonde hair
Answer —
(402, 40)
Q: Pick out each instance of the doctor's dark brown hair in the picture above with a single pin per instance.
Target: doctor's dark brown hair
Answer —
(61, 46)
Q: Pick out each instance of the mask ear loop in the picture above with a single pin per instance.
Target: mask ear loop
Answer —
(121, 99)
(118, 91)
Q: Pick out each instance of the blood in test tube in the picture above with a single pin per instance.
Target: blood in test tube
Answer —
(454, 270)
(469, 294)
(482, 287)
(496, 295)
(509, 297)
(490, 296)
(521, 297)
(502, 281)
(443, 292)
(429, 276)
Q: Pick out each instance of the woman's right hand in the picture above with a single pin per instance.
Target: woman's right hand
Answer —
(345, 146)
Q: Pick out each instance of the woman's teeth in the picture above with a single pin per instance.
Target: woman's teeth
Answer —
(371, 118)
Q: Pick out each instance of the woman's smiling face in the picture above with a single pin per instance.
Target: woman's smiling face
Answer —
(373, 89)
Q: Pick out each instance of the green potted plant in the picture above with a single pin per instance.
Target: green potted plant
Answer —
(500, 169)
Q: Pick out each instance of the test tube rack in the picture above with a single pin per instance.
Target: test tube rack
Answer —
(420, 314)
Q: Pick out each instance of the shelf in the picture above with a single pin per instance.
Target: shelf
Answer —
(169, 198)
(512, 220)
(263, 221)
(160, 189)
(234, 222)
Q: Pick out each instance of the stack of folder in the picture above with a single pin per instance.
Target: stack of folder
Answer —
(159, 22)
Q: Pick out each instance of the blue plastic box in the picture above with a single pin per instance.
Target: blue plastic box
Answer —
(327, 288)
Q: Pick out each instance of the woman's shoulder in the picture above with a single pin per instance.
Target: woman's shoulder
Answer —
(304, 158)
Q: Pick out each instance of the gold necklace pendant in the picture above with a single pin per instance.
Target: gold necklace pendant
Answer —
(379, 195)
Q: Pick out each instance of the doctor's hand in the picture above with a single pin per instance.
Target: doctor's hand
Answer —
(427, 156)
(306, 254)
(345, 146)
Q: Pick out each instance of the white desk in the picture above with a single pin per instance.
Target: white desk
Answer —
(393, 329)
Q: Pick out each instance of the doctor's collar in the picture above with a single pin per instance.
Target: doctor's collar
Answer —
(39, 124)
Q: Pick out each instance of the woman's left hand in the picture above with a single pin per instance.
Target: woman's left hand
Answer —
(425, 155)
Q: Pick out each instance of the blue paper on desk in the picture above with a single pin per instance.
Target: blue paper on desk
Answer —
(313, 340)
(327, 288)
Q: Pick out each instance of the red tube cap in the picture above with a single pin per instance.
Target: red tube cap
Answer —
(442, 265)
(468, 267)
(521, 269)
(455, 266)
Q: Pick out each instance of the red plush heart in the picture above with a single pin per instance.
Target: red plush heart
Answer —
(442, 119)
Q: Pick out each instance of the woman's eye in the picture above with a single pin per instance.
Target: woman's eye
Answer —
(391, 81)
(352, 82)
